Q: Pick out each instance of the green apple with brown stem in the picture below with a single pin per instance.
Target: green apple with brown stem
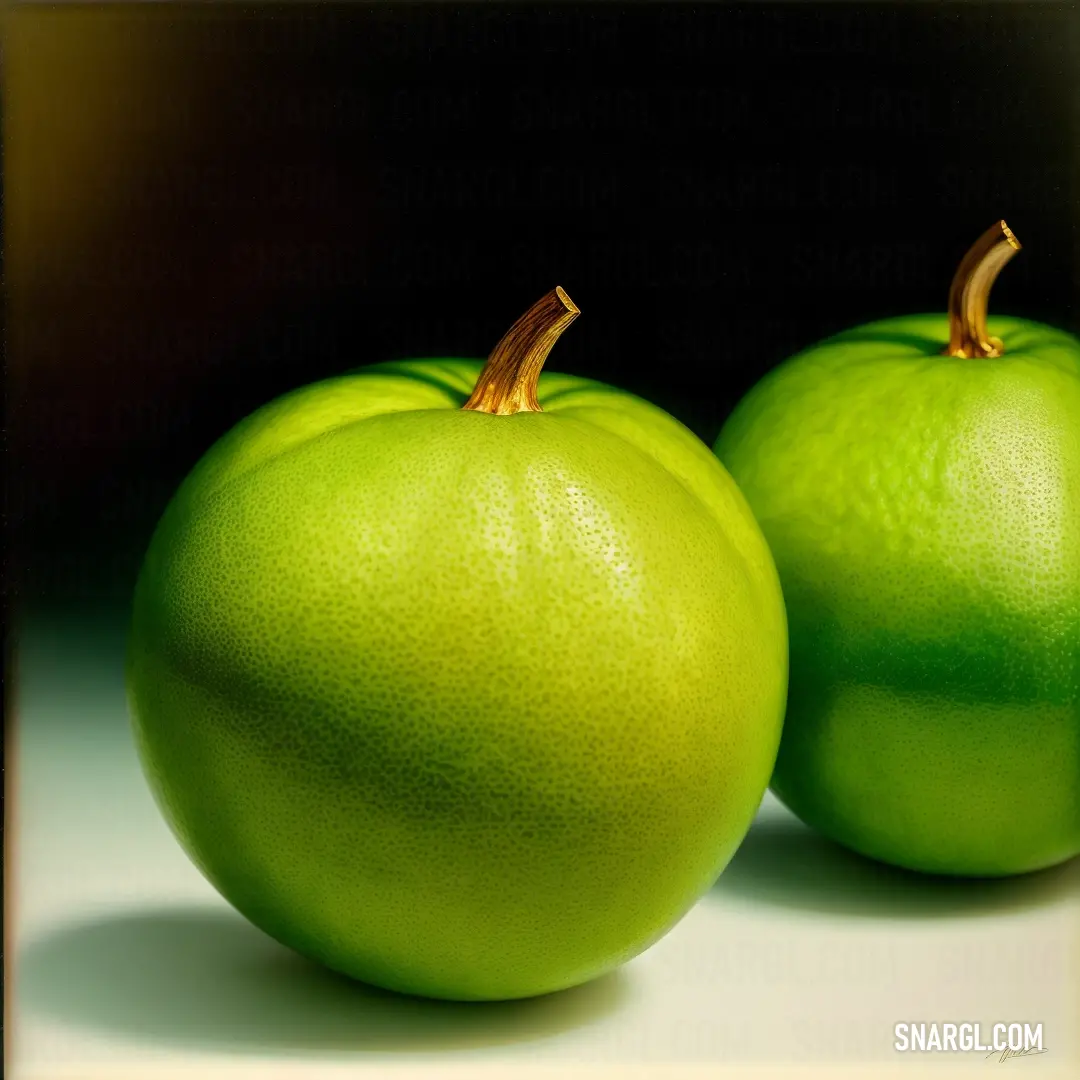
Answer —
(918, 481)
(460, 678)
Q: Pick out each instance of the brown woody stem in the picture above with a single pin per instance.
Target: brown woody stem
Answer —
(970, 292)
(508, 382)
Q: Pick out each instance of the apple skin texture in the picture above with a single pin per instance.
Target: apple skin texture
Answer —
(924, 514)
(463, 705)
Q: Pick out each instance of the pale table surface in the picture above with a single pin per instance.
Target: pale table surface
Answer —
(128, 963)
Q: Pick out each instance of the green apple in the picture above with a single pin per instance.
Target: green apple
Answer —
(463, 680)
(918, 480)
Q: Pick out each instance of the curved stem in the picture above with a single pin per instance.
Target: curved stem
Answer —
(508, 382)
(970, 292)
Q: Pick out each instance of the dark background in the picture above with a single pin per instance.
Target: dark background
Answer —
(206, 207)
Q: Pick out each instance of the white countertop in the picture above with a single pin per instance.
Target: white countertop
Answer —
(127, 962)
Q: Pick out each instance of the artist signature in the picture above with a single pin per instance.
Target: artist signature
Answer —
(1004, 1055)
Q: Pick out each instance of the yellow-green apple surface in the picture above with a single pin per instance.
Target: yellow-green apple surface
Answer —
(918, 480)
(463, 682)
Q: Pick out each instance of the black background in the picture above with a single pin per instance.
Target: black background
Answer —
(208, 207)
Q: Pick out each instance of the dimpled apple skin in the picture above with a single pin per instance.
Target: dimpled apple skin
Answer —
(924, 514)
(464, 705)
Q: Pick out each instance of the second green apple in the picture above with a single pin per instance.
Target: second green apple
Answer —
(918, 481)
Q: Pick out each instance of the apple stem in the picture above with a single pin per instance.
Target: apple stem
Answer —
(507, 384)
(970, 292)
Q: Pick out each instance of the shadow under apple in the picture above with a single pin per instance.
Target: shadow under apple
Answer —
(784, 862)
(207, 977)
